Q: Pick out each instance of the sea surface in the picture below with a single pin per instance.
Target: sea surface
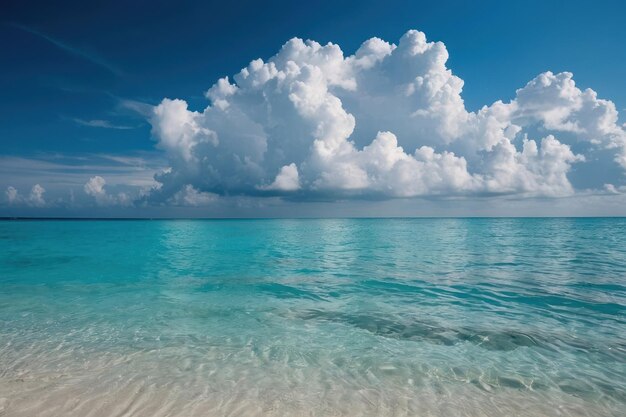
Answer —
(341, 317)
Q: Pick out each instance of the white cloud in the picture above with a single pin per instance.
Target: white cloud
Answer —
(535, 170)
(12, 195)
(34, 199)
(180, 130)
(105, 124)
(287, 179)
(64, 171)
(36, 196)
(387, 121)
(189, 196)
(95, 188)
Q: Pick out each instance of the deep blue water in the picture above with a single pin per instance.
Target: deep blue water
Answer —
(313, 317)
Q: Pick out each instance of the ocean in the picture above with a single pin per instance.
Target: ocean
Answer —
(313, 317)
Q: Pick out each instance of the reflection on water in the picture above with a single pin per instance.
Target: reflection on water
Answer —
(463, 317)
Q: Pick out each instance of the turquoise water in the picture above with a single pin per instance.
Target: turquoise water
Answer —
(416, 317)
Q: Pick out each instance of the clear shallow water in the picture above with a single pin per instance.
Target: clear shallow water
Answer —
(450, 317)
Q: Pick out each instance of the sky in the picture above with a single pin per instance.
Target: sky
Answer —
(272, 109)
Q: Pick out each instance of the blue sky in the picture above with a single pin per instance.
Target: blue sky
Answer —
(79, 83)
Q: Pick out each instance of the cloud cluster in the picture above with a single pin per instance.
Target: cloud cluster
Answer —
(95, 188)
(191, 197)
(387, 121)
(34, 199)
(75, 182)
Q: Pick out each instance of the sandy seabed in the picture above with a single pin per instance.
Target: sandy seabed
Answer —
(149, 384)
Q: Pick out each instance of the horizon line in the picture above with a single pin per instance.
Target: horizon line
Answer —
(43, 218)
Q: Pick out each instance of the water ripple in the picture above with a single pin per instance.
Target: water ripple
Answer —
(464, 317)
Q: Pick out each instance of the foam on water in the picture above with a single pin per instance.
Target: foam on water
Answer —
(463, 317)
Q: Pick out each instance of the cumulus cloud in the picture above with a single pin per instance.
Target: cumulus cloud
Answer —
(36, 196)
(189, 196)
(95, 188)
(287, 179)
(12, 195)
(34, 199)
(387, 121)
